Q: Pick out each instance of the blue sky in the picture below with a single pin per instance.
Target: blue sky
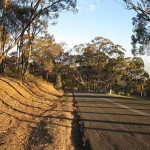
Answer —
(106, 18)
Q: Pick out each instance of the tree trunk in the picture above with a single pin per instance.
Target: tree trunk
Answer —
(141, 88)
(2, 67)
(3, 40)
(2, 56)
(47, 74)
(26, 71)
(17, 61)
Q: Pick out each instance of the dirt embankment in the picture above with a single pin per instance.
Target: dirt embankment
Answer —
(34, 116)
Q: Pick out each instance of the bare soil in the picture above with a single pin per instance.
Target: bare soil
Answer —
(34, 116)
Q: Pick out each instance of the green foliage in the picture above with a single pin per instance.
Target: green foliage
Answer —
(140, 6)
(147, 88)
(100, 66)
(23, 20)
(141, 23)
(141, 36)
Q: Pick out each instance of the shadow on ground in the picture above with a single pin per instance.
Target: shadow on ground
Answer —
(77, 133)
(39, 137)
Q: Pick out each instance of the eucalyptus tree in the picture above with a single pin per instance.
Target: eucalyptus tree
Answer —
(29, 11)
(142, 7)
(92, 60)
(141, 22)
(138, 76)
(115, 74)
(102, 66)
(67, 67)
(4, 38)
(89, 62)
(102, 44)
(45, 53)
(141, 36)
(105, 51)
(35, 27)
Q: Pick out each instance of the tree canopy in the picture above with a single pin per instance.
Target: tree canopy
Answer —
(141, 23)
(16, 16)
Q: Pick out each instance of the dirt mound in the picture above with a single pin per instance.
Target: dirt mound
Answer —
(33, 115)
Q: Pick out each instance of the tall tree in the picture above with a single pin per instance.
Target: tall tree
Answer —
(141, 36)
(141, 31)
(142, 7)
(138, 76)
(29, 12)
(45, 53)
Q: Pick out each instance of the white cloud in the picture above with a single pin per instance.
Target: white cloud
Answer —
(91, 7)
(86, 5)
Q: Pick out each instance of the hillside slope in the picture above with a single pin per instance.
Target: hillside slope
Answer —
(33, 115)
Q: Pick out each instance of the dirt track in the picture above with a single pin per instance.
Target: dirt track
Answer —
(114, 123)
